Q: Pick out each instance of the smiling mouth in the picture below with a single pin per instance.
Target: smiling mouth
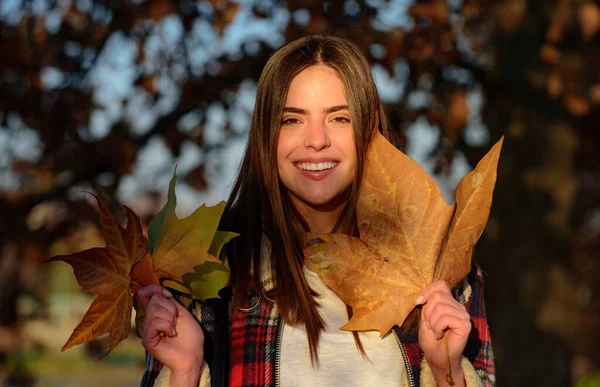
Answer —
(317, 166)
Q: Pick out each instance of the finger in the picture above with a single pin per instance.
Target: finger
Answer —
(181, 310)
(440, 298)
(162, 327)
(442, 309)
(163, 308)
(153, 329)
(178, 306)
(458, 325)
(168, 303)
(154, 333)
(157, 311)
(437, 286)
(146, 293)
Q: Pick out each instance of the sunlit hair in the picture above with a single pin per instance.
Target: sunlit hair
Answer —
(259, 204)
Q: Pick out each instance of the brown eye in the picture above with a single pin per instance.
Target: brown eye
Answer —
(341, 120)
(290, 121)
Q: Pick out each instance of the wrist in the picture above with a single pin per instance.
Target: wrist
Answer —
(439, 374)
(186, 376)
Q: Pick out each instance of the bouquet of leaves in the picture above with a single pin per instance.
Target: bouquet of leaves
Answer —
(409, 238)
(181, 254)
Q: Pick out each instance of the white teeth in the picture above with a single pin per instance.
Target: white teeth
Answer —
(316, 166)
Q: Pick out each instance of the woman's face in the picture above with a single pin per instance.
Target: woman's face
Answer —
(316, 155)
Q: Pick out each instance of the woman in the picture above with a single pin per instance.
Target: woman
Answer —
(316, 109)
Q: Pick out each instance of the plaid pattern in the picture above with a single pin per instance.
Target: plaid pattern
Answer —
(205, 318)
(253, 340)
(479, 345)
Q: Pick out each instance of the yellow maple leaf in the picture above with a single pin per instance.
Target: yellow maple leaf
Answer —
(409, 237)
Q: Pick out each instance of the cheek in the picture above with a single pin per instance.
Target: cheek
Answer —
(284, 148)
(349, 149)
(281, 146)
(287, 143)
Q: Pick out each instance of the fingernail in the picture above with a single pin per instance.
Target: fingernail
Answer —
(175, 332)
(419, 300)
(427, 323)
(167, 293)
(435, 335)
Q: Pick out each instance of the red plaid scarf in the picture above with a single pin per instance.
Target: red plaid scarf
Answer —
(254, 341)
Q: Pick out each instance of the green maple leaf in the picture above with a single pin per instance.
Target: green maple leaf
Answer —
(179, 246)
(156, 224)
(208, 279)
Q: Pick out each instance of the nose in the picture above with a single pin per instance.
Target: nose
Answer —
(316, 135)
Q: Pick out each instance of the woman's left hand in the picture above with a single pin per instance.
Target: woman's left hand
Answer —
(443, 315)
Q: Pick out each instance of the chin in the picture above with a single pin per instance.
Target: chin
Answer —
(317, 202)
(325, 201)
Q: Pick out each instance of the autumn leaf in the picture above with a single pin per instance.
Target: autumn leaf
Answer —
(129, 261)
(219, 241)
(107, 272)
(155, 226)
(142, 273)
(180, 245)
(409, 237)
(207, 280)
(458, 114)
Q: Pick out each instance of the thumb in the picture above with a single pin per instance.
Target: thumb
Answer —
(180, 308)
(146, 293)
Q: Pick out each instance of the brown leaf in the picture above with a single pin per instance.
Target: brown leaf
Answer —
(150, 84)
(76, 18)
(196, 178)
(393, 47)
(559, 22)
(588, 16)
(143, 274)
(158, 9)
(436, 11)
(595, 93)
(550, 53)
(106, 272)
(511, 14)
(473, 199)
(110, 314)
(576, 105)
(458, 114)
(554, 84)
(409, 237)
(225, 12)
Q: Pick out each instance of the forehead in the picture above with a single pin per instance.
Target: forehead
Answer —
(317, 84)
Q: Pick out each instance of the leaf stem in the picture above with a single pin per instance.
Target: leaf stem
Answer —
(449, 378)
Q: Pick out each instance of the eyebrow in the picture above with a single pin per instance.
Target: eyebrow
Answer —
(331, 109)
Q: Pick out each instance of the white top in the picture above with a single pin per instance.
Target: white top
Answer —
(340, 362)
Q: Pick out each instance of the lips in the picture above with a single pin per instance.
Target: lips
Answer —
(316, 166)
(316, 169)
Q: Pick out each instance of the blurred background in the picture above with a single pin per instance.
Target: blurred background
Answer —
(109, 95)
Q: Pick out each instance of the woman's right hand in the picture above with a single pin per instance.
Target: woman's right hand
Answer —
(172, 335)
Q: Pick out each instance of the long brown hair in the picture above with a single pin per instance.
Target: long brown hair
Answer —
(259, 204)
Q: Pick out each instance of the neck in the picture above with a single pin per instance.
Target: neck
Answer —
(321, 219)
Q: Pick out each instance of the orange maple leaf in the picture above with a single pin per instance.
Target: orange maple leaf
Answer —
(108, 273)
(409, 237)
